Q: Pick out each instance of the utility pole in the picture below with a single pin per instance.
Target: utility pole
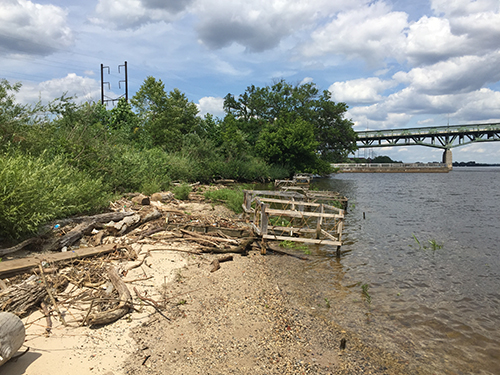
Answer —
(112, 100)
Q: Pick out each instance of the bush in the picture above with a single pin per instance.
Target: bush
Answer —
(34, 191)
(182, 191)
(233, 199)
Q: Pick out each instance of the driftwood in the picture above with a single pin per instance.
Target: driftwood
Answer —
(216, 262)
(21, 298)
(18, 265)
(19, 246)
(123, 307)
(87, 224)
(242, 248)
(12, 334)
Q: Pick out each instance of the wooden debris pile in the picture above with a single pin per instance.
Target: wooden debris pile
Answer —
(77, 272)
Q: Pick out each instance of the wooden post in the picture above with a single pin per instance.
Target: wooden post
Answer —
(264, 221)
(320, 221)
(12, 335)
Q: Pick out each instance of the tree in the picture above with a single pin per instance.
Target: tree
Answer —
(289, 142)
(257, 108)
(165, 117)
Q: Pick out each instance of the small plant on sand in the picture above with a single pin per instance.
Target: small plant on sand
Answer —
(327, 303)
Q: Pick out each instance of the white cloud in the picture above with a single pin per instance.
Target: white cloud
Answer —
(33, 29)
(430, 40)
(456, 75)
(212, 105)
(260, 24)
(360, 91)
(371, 33)
(125, 14)
(457, 8)
(85, 89)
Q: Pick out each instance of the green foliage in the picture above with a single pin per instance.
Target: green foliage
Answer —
(279, 221)
(383, 159)
(36, 190)
(166, 117)
(182, 191)
(290, 143)
(434, 245)
(294, 245)
(232, 198)
(257, 108)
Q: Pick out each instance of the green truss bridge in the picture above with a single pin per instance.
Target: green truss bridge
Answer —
(444, 137)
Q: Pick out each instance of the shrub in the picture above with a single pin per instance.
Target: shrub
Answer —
(182, 191)
(232, 198)
(34, 191)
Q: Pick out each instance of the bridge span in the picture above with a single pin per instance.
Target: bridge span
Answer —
(444, 137)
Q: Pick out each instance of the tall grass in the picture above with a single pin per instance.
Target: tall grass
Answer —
(36, 190)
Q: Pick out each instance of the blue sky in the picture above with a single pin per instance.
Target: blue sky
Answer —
(396, 63)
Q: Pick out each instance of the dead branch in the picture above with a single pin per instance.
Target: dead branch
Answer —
(51, 296)
(150, 302)
(123, 307)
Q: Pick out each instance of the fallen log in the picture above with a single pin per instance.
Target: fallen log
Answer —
(12, 334)
(123, 307)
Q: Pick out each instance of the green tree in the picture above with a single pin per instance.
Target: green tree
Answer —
(257, 108)
(165, 117)
(289, 142)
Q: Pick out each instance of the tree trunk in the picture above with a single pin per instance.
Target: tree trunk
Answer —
(12, 335)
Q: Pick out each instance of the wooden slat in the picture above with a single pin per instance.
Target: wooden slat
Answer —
(290, 213)
(10, 267)
(304, 240)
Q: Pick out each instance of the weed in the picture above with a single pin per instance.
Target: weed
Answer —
(294, 245)
(434, 245)
(181, 302)
(366, 294)
(327, 303)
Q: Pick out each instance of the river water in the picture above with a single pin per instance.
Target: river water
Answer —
(427, 247)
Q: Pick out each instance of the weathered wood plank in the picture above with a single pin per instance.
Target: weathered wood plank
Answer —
(289, 213)
(10, 267)
(304, 240)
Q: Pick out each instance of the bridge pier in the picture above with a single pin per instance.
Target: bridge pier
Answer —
(447, 159)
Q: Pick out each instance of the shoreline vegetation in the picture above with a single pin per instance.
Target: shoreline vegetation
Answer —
(65, 157)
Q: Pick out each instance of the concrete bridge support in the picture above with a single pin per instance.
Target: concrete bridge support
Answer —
(447, 159)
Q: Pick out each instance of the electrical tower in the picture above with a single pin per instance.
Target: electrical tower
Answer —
(105, 99)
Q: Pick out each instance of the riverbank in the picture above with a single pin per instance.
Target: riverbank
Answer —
(243, 318)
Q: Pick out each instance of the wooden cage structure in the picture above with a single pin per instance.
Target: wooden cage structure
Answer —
(300, 216)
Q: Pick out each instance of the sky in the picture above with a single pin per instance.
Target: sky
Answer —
(396, 63)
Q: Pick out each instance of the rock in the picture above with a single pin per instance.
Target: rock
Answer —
(141, 199)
